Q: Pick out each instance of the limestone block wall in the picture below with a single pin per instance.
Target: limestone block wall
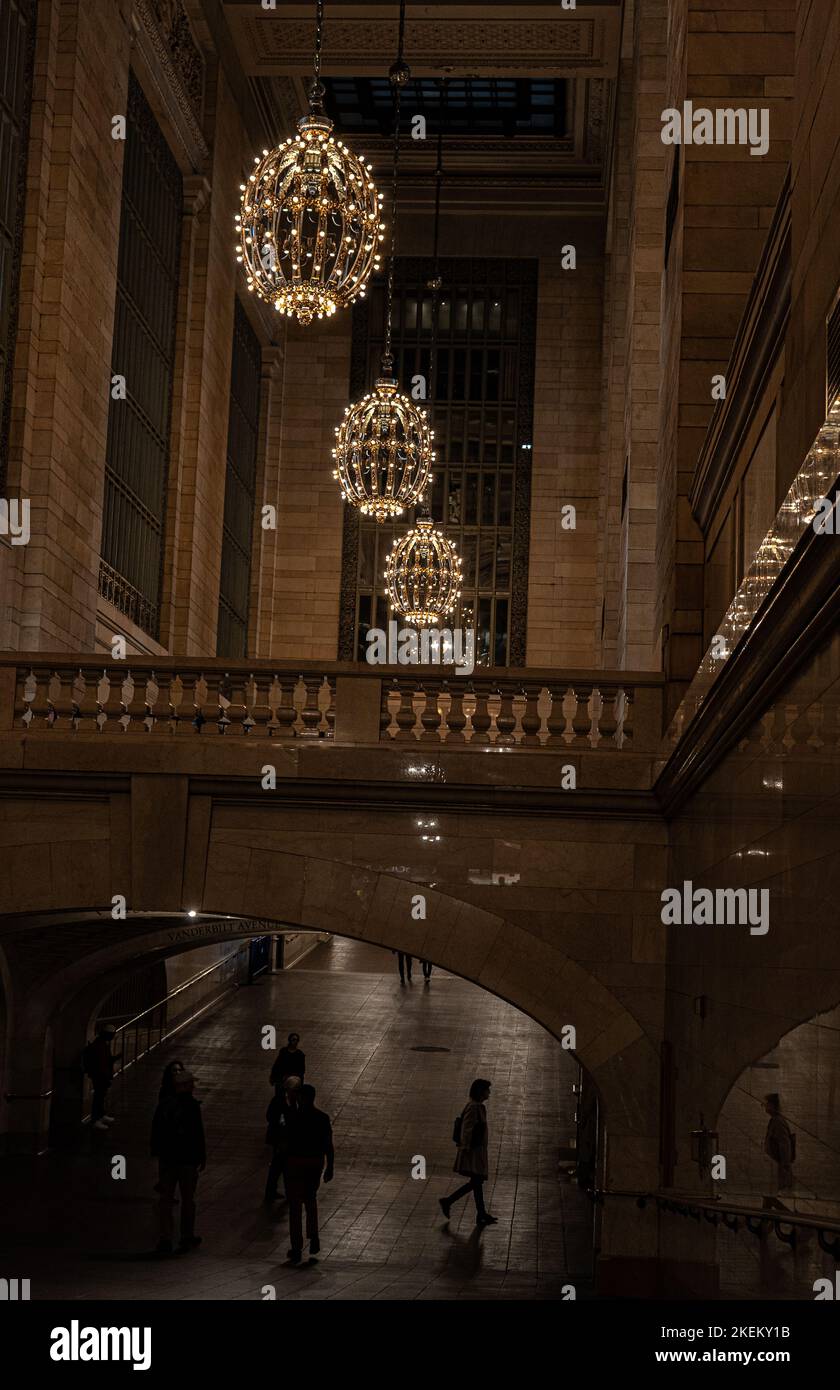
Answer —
(565, 584)
(63, 355)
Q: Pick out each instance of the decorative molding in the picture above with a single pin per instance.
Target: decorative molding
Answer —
(184, 51)
(159, 64)
(28, 9)
(356, 45)
(757, 345)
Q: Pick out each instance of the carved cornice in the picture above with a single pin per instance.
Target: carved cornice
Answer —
(800, 612)
(489, 44)
(166, 56)
(758, 343)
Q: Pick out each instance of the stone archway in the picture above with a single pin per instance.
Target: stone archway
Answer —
(317, 894)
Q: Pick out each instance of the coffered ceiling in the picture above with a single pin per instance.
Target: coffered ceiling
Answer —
(532, 167)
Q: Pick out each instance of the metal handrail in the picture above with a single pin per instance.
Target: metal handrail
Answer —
(754, 1218)
(194, 979)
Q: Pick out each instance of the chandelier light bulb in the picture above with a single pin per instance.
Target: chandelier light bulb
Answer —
(383, 454)
(423, 575)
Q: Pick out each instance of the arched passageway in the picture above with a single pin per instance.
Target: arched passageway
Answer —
(391, 1064)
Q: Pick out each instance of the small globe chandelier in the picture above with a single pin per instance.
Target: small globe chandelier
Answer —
(383, 452)
(309, 225)
(423, 574)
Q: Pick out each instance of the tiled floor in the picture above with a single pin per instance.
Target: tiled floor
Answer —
(76, 1232)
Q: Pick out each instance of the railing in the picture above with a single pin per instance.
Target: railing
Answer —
(758, 1221)
(146, 1031)
(350, 703)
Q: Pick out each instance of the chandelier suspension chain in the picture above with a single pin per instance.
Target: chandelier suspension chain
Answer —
(396, 82)
(435, 282)
(319, 38)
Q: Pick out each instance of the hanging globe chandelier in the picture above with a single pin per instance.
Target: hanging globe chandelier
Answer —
(383, 452)
(309, 224)
(423, 574)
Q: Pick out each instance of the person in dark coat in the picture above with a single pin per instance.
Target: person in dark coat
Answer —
(178, 1144)
(167, 1088)
(471, 1159)
(779, 1145)
(279, 1116)
(310, 1155)
(98, 1061)
(290, 1061)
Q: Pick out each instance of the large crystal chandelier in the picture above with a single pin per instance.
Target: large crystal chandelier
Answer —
(309, 226)
(383, 452)
(423, 574)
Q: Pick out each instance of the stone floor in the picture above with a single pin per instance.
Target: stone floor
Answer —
(79, 1233)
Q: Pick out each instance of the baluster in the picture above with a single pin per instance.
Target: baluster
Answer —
(103, 695)
(815, 719)
(224, 703)
(468, 707)
(176, 696)
(494, 708)
(544, 704)
(444, 705)
(30, 696)
(325, 700)
(767, 721)
(595, 707)
(519, 706)
(200, 698)
(569, 707)
(394, 706)
(275, 700)
(126, 700)
(418, 704)
(54, 699)
(620, 708)
(82, 700)
(299, 698)
(151, 698)
(791, 716)
(251, 696)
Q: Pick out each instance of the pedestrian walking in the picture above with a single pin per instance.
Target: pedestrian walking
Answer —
(780, 1145)
(404, 963)
(310, 1156)
(98, 1062)
(471, 1160)
(290, 1061)
(178, 1145)
(427, 970)
(279, 1117)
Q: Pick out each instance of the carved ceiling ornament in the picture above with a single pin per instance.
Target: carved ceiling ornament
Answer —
(186, 55)
(492, 44)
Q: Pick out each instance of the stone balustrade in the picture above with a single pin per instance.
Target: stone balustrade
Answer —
(345, 702)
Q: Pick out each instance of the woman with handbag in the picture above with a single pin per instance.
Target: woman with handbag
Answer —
(470, 1134)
